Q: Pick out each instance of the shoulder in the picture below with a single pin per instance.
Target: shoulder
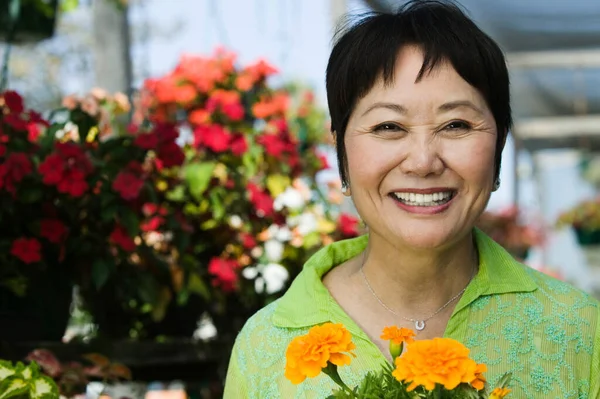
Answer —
(561, 292)
(565, 304)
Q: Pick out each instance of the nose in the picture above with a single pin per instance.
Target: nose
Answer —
(422, 156)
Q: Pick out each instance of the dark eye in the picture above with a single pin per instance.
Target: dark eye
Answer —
(387, 127)
(458, 125)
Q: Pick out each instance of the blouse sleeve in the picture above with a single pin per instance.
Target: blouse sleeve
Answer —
(595, 373)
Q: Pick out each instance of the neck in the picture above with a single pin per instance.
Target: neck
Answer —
(418, 282)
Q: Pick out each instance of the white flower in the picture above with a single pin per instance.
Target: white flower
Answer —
(235, 221)
(290, 198)
(273, 279)
(69, 129)
(281, 233)
(274, 250)
(305, 223)
(256, 252)
(250, 272)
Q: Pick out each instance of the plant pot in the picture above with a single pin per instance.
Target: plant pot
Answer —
(587, 237)
(41, 315)
(33, 25)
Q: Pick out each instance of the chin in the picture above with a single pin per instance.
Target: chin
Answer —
(430, 237)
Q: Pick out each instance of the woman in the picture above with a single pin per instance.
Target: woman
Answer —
(419, 103)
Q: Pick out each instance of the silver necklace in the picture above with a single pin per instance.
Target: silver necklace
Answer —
(419, 324)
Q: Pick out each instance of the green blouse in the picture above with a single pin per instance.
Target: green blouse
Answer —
(511, 317)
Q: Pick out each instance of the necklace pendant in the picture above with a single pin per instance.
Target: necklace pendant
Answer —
(420, 325)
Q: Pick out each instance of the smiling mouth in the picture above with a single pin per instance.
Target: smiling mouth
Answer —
(424, 200)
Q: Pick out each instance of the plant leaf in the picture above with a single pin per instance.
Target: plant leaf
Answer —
(43, 387)
(198, 176)
(6, 369)
(13, 387)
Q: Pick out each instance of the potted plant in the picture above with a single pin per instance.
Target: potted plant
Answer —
(70, 206)
(507, 229)
(584, 219)
(72, 378)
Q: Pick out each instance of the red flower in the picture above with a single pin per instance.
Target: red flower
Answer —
(170, 154)
(53, 230)
(2, 150)
(13, 101)
(238, 145)
(273, 144)
(224, 271)
(324, 161)
(26, 249)
(348, 225)
(248, 240)
(261, 200)
(214, 137)
(73, 183)
(15, 121)
(235, 112)
(166, 132)
(52, 169)
(13, 170)
(153, 224)
(128, 185)
(120, 237)
(150, 209)
(33, 132)
(146, 141)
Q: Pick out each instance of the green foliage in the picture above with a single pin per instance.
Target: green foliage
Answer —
(19, 381)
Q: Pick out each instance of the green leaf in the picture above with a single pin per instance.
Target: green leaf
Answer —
(277, 184)
(30, 195)
(177, 194)
(198, 286)
(130, 221)
(198, 176)
(109, 213)
(6, 369)
(13, 387)
(101, 271)
(68, 5)
(218, 210)
(43, 387)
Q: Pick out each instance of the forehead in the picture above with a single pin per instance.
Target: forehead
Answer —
(437, 86)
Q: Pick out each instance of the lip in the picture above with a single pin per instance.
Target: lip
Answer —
(424, 190)
(424, 210)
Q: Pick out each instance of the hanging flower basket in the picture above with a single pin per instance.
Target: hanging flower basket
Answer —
(36, 21)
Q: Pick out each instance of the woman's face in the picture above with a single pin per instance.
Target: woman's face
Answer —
(421, 155)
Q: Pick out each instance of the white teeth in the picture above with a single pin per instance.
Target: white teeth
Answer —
(424, 199)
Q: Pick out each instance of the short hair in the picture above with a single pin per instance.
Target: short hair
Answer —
(367, 48)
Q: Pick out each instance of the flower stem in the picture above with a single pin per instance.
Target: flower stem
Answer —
(332, 372)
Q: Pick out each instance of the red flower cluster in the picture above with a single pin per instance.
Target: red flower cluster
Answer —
(28, 250)
(67, 169)
(13, 170)
(218, 139)
(162, 140)
(224, 272)
(262, 201)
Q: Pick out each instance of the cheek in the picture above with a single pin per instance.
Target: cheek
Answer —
(473, 160)
(369, 159)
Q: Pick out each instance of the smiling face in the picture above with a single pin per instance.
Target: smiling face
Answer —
(420, 155)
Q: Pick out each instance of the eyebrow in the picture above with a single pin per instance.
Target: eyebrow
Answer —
(449, 106)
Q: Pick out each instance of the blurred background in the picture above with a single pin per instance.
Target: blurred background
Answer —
(166, 168)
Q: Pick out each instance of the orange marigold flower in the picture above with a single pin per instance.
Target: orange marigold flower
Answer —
(398, 335)
(307, 355)
(499, 393)
(437, 361)
(479, 381)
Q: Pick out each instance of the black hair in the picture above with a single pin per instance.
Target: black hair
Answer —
(366, 49)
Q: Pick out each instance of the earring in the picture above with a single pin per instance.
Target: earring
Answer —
(496, 184)
(345, 190)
